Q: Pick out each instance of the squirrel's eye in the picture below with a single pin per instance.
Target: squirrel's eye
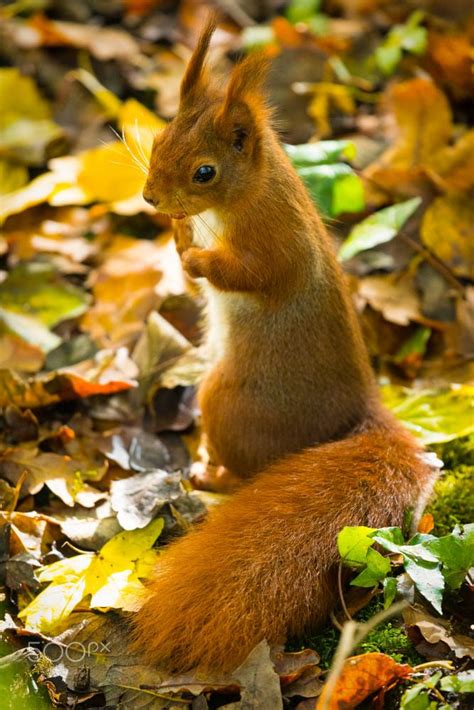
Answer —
(204, 173)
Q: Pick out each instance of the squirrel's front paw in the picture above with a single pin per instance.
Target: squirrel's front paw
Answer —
(192, 262)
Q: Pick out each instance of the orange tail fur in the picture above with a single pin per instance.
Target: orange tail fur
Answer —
(262, 565)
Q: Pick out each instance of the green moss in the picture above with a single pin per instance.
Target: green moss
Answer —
(389, 637)
(453, 501)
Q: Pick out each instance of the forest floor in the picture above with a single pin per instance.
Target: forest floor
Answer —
(100, 333)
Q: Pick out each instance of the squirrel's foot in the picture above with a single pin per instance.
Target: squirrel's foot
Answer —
(218, 479)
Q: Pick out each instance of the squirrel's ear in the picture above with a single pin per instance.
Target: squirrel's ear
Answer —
(244, 112)
(247, 78)
(195, 71)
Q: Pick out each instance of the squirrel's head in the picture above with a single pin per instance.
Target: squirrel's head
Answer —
(209, 154)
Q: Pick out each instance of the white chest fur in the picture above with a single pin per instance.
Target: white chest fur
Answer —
(207, 228)
(222, 306)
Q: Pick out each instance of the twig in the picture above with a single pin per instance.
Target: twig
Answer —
(341, 592)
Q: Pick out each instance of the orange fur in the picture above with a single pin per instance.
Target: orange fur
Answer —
(290, 372)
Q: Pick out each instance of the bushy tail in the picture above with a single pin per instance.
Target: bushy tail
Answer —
(261, 566)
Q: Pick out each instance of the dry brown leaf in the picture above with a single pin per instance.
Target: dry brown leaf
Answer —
(107, 373)
(452, 167)
(61, 474)
(435, 631)
(394, 295)
(360, 677)
(121, 306)
(448, 231)
(30, 532)
(103, 42)
(18, 354)
(449, 58)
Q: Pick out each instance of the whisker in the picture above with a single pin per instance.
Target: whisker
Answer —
(141, 150)
(131, 163)
(142, 167)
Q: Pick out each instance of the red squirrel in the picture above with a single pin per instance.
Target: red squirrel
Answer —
(290, 407)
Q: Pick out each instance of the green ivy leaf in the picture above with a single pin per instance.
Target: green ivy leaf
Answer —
(416, 698)
(377, 229)
(377, 569)
(353, 544)
(420, 564)
(461, 683)
(308, 154)
(334, 187)
(389, 591)
(456, 553)
(387, 58)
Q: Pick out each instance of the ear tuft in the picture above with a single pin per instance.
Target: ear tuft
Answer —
(248, 77)
(195, 69)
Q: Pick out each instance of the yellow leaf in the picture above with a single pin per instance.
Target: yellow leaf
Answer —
(67, 570)
(53, 605)
(37, 191)
(452, 168)
(12, 176)
(448, 230)
(27, 131)
(424, 121)
(110, 576)
(114, 173)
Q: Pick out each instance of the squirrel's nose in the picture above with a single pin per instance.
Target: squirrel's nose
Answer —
(150, 199)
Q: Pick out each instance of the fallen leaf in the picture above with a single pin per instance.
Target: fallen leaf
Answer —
(448, 231)
(12, 176)
(138, 499)
(16, 353)
(299, 673)
(27, 132)
(435, 631)
(111, 577)
(259, 680)
(377, 229)
(449, 60)
(360, 677)
(29, 532)
(424, 121)
(394, 295)
(121, 305)
(37, 290)
(426, 523)
(103, 42)
(107, 373)
(451, 168)
(64, 476)
(433, 415)
(88, 528)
